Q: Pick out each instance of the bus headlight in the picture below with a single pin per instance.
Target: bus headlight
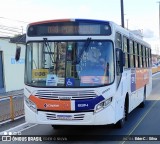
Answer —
(31, 104)
(102, 105)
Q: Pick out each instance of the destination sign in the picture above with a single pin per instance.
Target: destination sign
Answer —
(69, 29)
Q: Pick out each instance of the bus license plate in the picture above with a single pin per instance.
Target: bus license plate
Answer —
(64, 117)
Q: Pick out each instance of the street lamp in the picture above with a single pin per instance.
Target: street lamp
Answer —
(122, 14)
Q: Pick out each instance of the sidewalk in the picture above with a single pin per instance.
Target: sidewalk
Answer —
(11, 93)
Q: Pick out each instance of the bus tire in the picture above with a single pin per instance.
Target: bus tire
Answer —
(142, 104)
(121, 122)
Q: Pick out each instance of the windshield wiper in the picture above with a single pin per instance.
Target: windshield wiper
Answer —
(85, 48)
(48, 48)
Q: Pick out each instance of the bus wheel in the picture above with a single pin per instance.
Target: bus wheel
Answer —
(142, 104)
(121, 122)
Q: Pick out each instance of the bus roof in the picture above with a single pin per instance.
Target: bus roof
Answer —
(67, 20)
(128, 33)
(115, 26)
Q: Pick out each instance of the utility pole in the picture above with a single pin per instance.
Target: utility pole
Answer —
(159, 27)
(159, 19)
(122, 14)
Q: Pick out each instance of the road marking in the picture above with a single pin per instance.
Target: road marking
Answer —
(142, 118)
(19, 128)
(6, 121)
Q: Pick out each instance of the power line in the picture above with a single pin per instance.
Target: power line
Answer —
(10, 30)
(6, 29)
(14, 20)
(7, 32)
(10, 27)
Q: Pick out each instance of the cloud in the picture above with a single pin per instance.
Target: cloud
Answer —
(147, 33)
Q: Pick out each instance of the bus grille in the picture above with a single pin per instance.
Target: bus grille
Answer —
(51, 116)
(72, 95)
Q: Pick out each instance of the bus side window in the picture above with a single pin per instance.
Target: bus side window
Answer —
(150, 58)
(125, 50)
(147, 58)
(144, 56)
(118, 40)
(132, 64)
(139, 56)
(136, 54)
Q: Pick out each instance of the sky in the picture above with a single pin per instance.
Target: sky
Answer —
(141, 14)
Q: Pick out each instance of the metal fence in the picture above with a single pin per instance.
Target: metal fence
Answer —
(11, 107)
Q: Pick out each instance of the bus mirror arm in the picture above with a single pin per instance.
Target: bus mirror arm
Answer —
(18, 53)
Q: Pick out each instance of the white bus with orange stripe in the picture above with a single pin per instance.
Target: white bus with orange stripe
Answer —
(84, 72)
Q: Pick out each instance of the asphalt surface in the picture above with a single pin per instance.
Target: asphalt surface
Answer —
(142, 125)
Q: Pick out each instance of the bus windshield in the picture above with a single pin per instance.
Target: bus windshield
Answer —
(69, 63)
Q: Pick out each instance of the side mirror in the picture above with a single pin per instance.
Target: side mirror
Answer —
(120, 60)
(18, 53)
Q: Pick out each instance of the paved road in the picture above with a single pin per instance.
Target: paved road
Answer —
(141, 122)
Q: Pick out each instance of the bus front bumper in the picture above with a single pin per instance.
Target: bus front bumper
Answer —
(103, 117)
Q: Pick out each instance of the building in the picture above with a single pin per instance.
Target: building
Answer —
(11, 72)
(155, 58)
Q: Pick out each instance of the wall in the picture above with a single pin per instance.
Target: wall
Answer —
(13, 71)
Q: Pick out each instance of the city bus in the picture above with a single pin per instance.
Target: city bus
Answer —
(84, 72)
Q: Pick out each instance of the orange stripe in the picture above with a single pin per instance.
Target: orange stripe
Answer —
(44, 104)
(142, 77)
(50, 21)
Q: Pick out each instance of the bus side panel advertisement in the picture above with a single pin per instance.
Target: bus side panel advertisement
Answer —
(142, 78)
(133, 80)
